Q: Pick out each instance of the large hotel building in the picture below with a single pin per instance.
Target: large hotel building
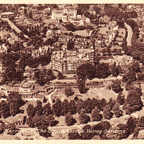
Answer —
(67, 61)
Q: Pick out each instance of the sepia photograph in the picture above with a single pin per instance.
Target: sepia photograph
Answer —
(72, 71)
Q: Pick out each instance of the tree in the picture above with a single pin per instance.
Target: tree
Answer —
(37, 121)
(134, 101)
(95, 103)
(70, 45)
(79, 105)
(125, 134)
(102, 70)
(111, 102)
(64, 107)
(135, 67)
(69, 120)
(47, 110)
(81, 86)
(83, 117)
(132, 75)
(5, 111)
(116, 86)
(60, 75)
(50, 75)
(121, 98)
(125, 77)
(68, 91)
(72, 107)
(56, 107)
(101, 104)
(141, 121)
(95, 115)
(88, 105)
(30, 110)
(14, 97)
(101, 126)
(43, 131)
(48, 120)
(14, 109)
(85, 132)
(114, 70)
(86, 71)
(73, 135)
(30, 15)
(131, 123)
(38, 108)
(107, 114)
(44, 100)
(2, 128)
(30, 122)
(117, 111)
(140, 76)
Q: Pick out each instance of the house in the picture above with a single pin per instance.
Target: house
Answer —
(64, 14)
(7, 14)
(84, 20)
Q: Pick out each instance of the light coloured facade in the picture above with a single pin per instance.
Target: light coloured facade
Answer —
(64, 14)
(67, 61)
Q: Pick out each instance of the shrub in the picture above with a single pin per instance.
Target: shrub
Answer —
(12, 130)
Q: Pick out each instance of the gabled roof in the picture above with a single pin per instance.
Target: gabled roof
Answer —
(57, 11)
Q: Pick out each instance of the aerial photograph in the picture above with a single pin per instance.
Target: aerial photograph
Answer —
(72, 71)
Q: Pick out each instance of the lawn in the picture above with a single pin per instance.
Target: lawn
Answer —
(98, 93)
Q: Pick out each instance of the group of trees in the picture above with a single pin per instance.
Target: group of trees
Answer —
(102, 70)
(132, 126)
(44, 76)
(11, 73)
(12, 105)
(40, 115)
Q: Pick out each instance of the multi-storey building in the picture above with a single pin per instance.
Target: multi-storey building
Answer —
(64, 14)
(67, 61)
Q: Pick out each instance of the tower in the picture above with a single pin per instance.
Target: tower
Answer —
(92, 58)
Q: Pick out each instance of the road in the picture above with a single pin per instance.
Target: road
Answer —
(13, 26)
(130, 33)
